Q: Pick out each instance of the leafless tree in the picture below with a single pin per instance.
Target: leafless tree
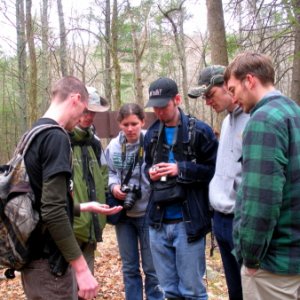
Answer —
(295, 94)
(63, 40)
(107, 71)
(139, 44)
(269, 27)
(218, 46)
(21, 56)
(217, 34)
(32, 98)
(116, 103)
(178, 33)
(45, 75)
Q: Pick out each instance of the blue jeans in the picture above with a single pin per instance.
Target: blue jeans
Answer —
(132, 235)
(222, 228)
(180, 265)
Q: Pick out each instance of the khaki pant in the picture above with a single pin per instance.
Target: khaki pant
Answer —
(39, 283)
(264, 285)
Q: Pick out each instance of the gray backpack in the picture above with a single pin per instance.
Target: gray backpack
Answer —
(18, 217)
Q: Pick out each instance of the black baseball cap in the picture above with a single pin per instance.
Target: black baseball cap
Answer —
(161, 91)
(208, 77)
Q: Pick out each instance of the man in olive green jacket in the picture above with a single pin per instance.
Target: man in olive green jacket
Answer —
(89, 176)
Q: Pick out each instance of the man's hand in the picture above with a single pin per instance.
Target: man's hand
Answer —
(98, 208)
(163, 169)
(250, 271)
(87, 284)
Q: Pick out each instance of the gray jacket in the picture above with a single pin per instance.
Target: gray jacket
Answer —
(114, 160)
(228, 174)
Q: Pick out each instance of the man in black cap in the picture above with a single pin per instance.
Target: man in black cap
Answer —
(180, 161)
(228, 175)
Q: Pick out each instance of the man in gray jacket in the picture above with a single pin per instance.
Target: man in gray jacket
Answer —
(224, 184)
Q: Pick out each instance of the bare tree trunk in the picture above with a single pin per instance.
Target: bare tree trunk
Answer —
(183, 63)
(21, 55)
(107, 72)
(45, 76)
(79, 58)
(32, 107)
(117, 69)
(138, 82)
(295, 89)
(139, 46)
(217, 37)
(63, 40)
(179, 41)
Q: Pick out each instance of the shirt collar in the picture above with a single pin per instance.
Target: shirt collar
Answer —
(265, 99)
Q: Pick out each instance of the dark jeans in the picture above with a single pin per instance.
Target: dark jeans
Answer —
(222, 228)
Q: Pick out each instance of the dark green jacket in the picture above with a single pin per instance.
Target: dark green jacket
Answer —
(267, 217)
(86, 166)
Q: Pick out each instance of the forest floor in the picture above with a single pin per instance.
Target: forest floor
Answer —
(109, 275)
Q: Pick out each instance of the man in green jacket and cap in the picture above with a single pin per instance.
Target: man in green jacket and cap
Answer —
(89, 176)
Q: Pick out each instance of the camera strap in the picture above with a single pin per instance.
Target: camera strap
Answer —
(187, 152)
(139, 157)
(162, 143)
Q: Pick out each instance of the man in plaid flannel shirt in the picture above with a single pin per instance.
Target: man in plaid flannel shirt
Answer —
(267, 217)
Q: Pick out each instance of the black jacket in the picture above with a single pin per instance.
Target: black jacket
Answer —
(195, 173)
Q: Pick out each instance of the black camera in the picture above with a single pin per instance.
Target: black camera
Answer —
(133, 193)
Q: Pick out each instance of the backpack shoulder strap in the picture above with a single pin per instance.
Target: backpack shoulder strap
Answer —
(157, 143)
(191, 136)
(29, 136)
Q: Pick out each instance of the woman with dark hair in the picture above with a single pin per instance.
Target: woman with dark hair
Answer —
(128, 183)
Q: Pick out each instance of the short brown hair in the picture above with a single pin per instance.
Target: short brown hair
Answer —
(257, 64)
(68, 85)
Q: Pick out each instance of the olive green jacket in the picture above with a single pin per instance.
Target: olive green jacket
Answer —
(86, 156)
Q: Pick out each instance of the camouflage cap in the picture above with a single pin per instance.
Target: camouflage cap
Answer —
(96, 103)
(209, 77)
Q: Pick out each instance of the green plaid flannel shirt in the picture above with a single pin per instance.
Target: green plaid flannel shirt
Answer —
(267, 217)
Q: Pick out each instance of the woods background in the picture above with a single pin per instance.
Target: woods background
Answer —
(120, 46)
